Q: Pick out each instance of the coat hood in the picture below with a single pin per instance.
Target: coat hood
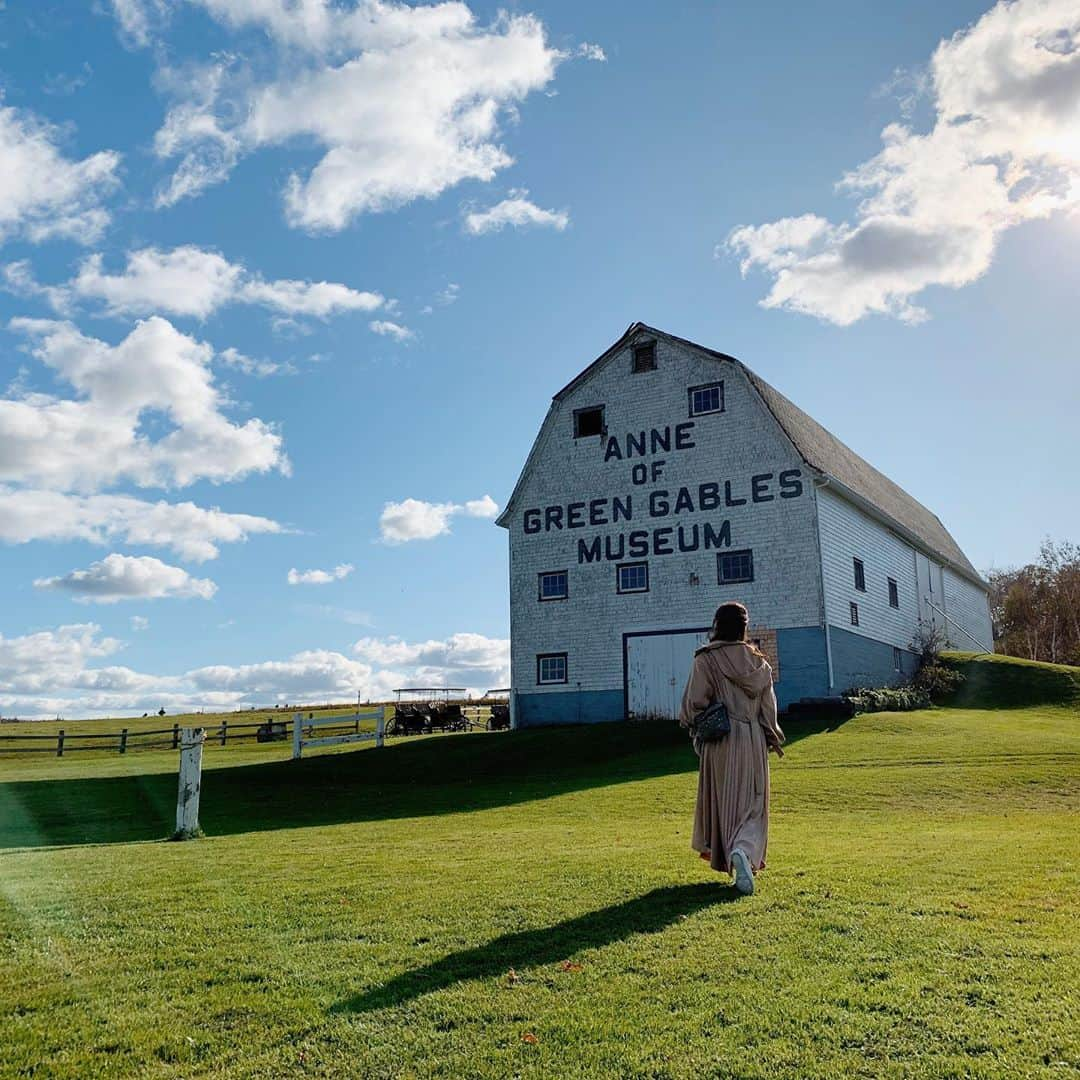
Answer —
(741, 664)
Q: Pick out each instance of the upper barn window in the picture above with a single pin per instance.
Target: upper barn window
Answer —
(644, 357)
(589, 421)
(706, 399)
(860, 575)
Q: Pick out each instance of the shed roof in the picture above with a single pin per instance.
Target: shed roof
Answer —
(826, 454)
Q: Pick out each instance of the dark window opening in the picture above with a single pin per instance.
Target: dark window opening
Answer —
(706, 399)
(644, 357)
(632, 577)
(554, 585)
(733, 567)
(551, 668)
(854, 614)
(894, 594)
(860, 575)
(589, 422)
(897, 660)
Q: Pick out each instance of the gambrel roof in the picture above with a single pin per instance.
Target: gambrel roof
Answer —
(846, 472)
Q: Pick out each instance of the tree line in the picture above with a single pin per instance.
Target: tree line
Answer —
(1036, 608)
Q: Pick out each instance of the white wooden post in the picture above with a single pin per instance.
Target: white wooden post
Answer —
(380, 725)
(297, 736)
(187, 801)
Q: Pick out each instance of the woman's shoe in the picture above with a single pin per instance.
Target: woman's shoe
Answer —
(744, 876)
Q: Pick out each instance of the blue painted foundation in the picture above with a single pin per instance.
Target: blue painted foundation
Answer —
(862, 661)
(570, 707)
(804, 664)
(804, 673)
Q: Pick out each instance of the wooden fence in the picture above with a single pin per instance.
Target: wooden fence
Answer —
(65, 742)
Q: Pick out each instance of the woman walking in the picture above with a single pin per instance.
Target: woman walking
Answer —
(731, 819)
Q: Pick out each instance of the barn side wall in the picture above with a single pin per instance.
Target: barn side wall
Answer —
(863, 655)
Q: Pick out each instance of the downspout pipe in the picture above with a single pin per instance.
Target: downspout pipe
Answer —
(822, 481)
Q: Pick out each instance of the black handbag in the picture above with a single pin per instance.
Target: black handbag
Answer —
(711, 724)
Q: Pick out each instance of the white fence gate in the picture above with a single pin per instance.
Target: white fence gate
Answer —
(657, 667)
(303, 730)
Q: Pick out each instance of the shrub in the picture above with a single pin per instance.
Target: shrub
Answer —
(937, 681)
(887, 699)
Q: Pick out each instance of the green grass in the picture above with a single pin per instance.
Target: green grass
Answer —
(359, 913)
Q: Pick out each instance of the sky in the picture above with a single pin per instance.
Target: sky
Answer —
(286, 287)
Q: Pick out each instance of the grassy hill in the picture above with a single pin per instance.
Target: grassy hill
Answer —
(526, 904)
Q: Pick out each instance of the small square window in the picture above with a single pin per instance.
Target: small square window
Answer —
(735, 566)
(860, 575)
(632, 577)
(551, 668)
(897, 660)
(854, 614)
(706, 399)
(894, 594)
(554, 585)
(644, 357)
(589, 421)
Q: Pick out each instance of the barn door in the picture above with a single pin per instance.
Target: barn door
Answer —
(657, 667)
(931, 588)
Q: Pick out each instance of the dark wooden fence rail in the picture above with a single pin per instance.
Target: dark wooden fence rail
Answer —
(121, 741)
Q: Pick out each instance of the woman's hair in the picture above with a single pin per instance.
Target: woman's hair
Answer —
(730, 622)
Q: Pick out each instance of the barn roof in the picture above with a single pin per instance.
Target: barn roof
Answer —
(851, 475)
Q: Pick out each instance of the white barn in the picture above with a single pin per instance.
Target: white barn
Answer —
(668, 478)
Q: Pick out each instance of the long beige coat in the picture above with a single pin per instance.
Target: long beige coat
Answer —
(733, 774)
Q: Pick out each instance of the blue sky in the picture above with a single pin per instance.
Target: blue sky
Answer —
(490, 197)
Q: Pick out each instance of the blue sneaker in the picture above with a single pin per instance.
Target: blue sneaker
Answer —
(744, 876)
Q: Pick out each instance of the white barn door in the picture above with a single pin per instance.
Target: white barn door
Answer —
(657, 667)
(931, 588)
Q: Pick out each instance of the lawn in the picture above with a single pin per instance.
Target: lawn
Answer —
(526, 904)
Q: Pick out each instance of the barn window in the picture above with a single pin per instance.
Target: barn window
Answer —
(854, 614)
(632, 577)
(735, 566)
(894, 594)
(897, 660)
(860, 575)
(644, 357)
(706, 399)
(554, 585)
(589, 421)
(551, 668)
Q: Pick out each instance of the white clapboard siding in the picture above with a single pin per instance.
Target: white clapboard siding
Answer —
(966, 604)
(846, 534)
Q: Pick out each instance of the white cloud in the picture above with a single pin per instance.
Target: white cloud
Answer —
(1004, 149)
(184, 281)
(414, 519)
(516, 211)
(45, 194)
(192, 532)
(233, 358)
(319, 577)
(104, 435)
(385, 328)
(50, 672)
(401, 101)
(129, 577)
(139, 623)
(18, 279)
(193, 281)
(484, 507)
(138, 18)
(466, 660)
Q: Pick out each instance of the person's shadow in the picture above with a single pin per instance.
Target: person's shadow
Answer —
(533, 948)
